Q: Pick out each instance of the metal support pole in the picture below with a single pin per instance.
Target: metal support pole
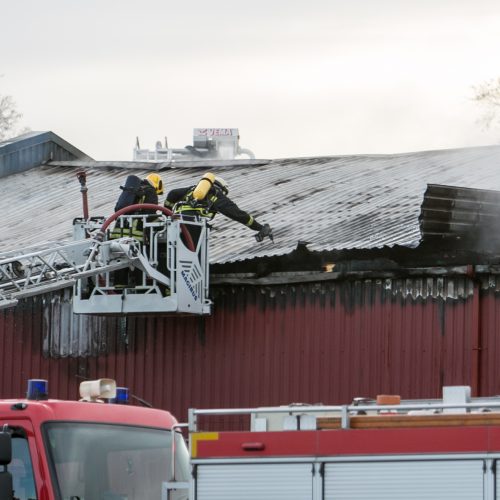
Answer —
(344, 417)
(82, 179)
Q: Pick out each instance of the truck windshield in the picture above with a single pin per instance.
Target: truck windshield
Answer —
(113, 462)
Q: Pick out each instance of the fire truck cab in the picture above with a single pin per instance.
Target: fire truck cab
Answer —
(434, 450)
(89, 449)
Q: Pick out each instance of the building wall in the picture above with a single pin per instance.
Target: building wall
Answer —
(33, 149)
(320, 342)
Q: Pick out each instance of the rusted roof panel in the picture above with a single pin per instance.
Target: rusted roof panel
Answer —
(332, 203)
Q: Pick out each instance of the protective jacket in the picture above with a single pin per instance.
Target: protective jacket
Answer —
(181, 201)
(146, 194)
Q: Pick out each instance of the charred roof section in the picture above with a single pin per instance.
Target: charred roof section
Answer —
(461, 217)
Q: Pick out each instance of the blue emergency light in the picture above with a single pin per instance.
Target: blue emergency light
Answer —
(38, 389)
(121, 396)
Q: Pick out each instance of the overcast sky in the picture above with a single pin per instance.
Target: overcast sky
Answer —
(298, 78)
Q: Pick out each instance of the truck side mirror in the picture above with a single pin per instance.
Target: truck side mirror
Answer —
(6, 492)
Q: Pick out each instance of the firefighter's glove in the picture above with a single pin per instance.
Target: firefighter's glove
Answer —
(265, 231)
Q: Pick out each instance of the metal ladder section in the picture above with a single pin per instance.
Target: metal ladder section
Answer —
(25, 275)
(158, 275)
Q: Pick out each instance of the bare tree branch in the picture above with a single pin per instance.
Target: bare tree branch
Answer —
(487, 95)
(9, 116)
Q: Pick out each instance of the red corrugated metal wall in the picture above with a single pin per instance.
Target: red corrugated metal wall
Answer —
(275, 345)
(489, 343)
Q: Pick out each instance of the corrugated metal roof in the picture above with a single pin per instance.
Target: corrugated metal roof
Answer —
(333, 203)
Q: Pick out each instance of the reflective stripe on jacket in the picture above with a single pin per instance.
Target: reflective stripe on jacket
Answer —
(127, 231)
(121, 231)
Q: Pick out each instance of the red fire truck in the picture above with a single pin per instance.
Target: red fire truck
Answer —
(77, 450)
(387, 449)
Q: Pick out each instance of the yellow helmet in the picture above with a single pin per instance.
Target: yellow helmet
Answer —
(156, 182)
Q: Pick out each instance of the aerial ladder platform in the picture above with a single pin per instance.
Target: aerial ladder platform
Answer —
(165, 272)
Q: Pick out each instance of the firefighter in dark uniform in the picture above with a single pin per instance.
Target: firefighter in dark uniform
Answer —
(182, 201)
(135, 191)
(146, 191)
